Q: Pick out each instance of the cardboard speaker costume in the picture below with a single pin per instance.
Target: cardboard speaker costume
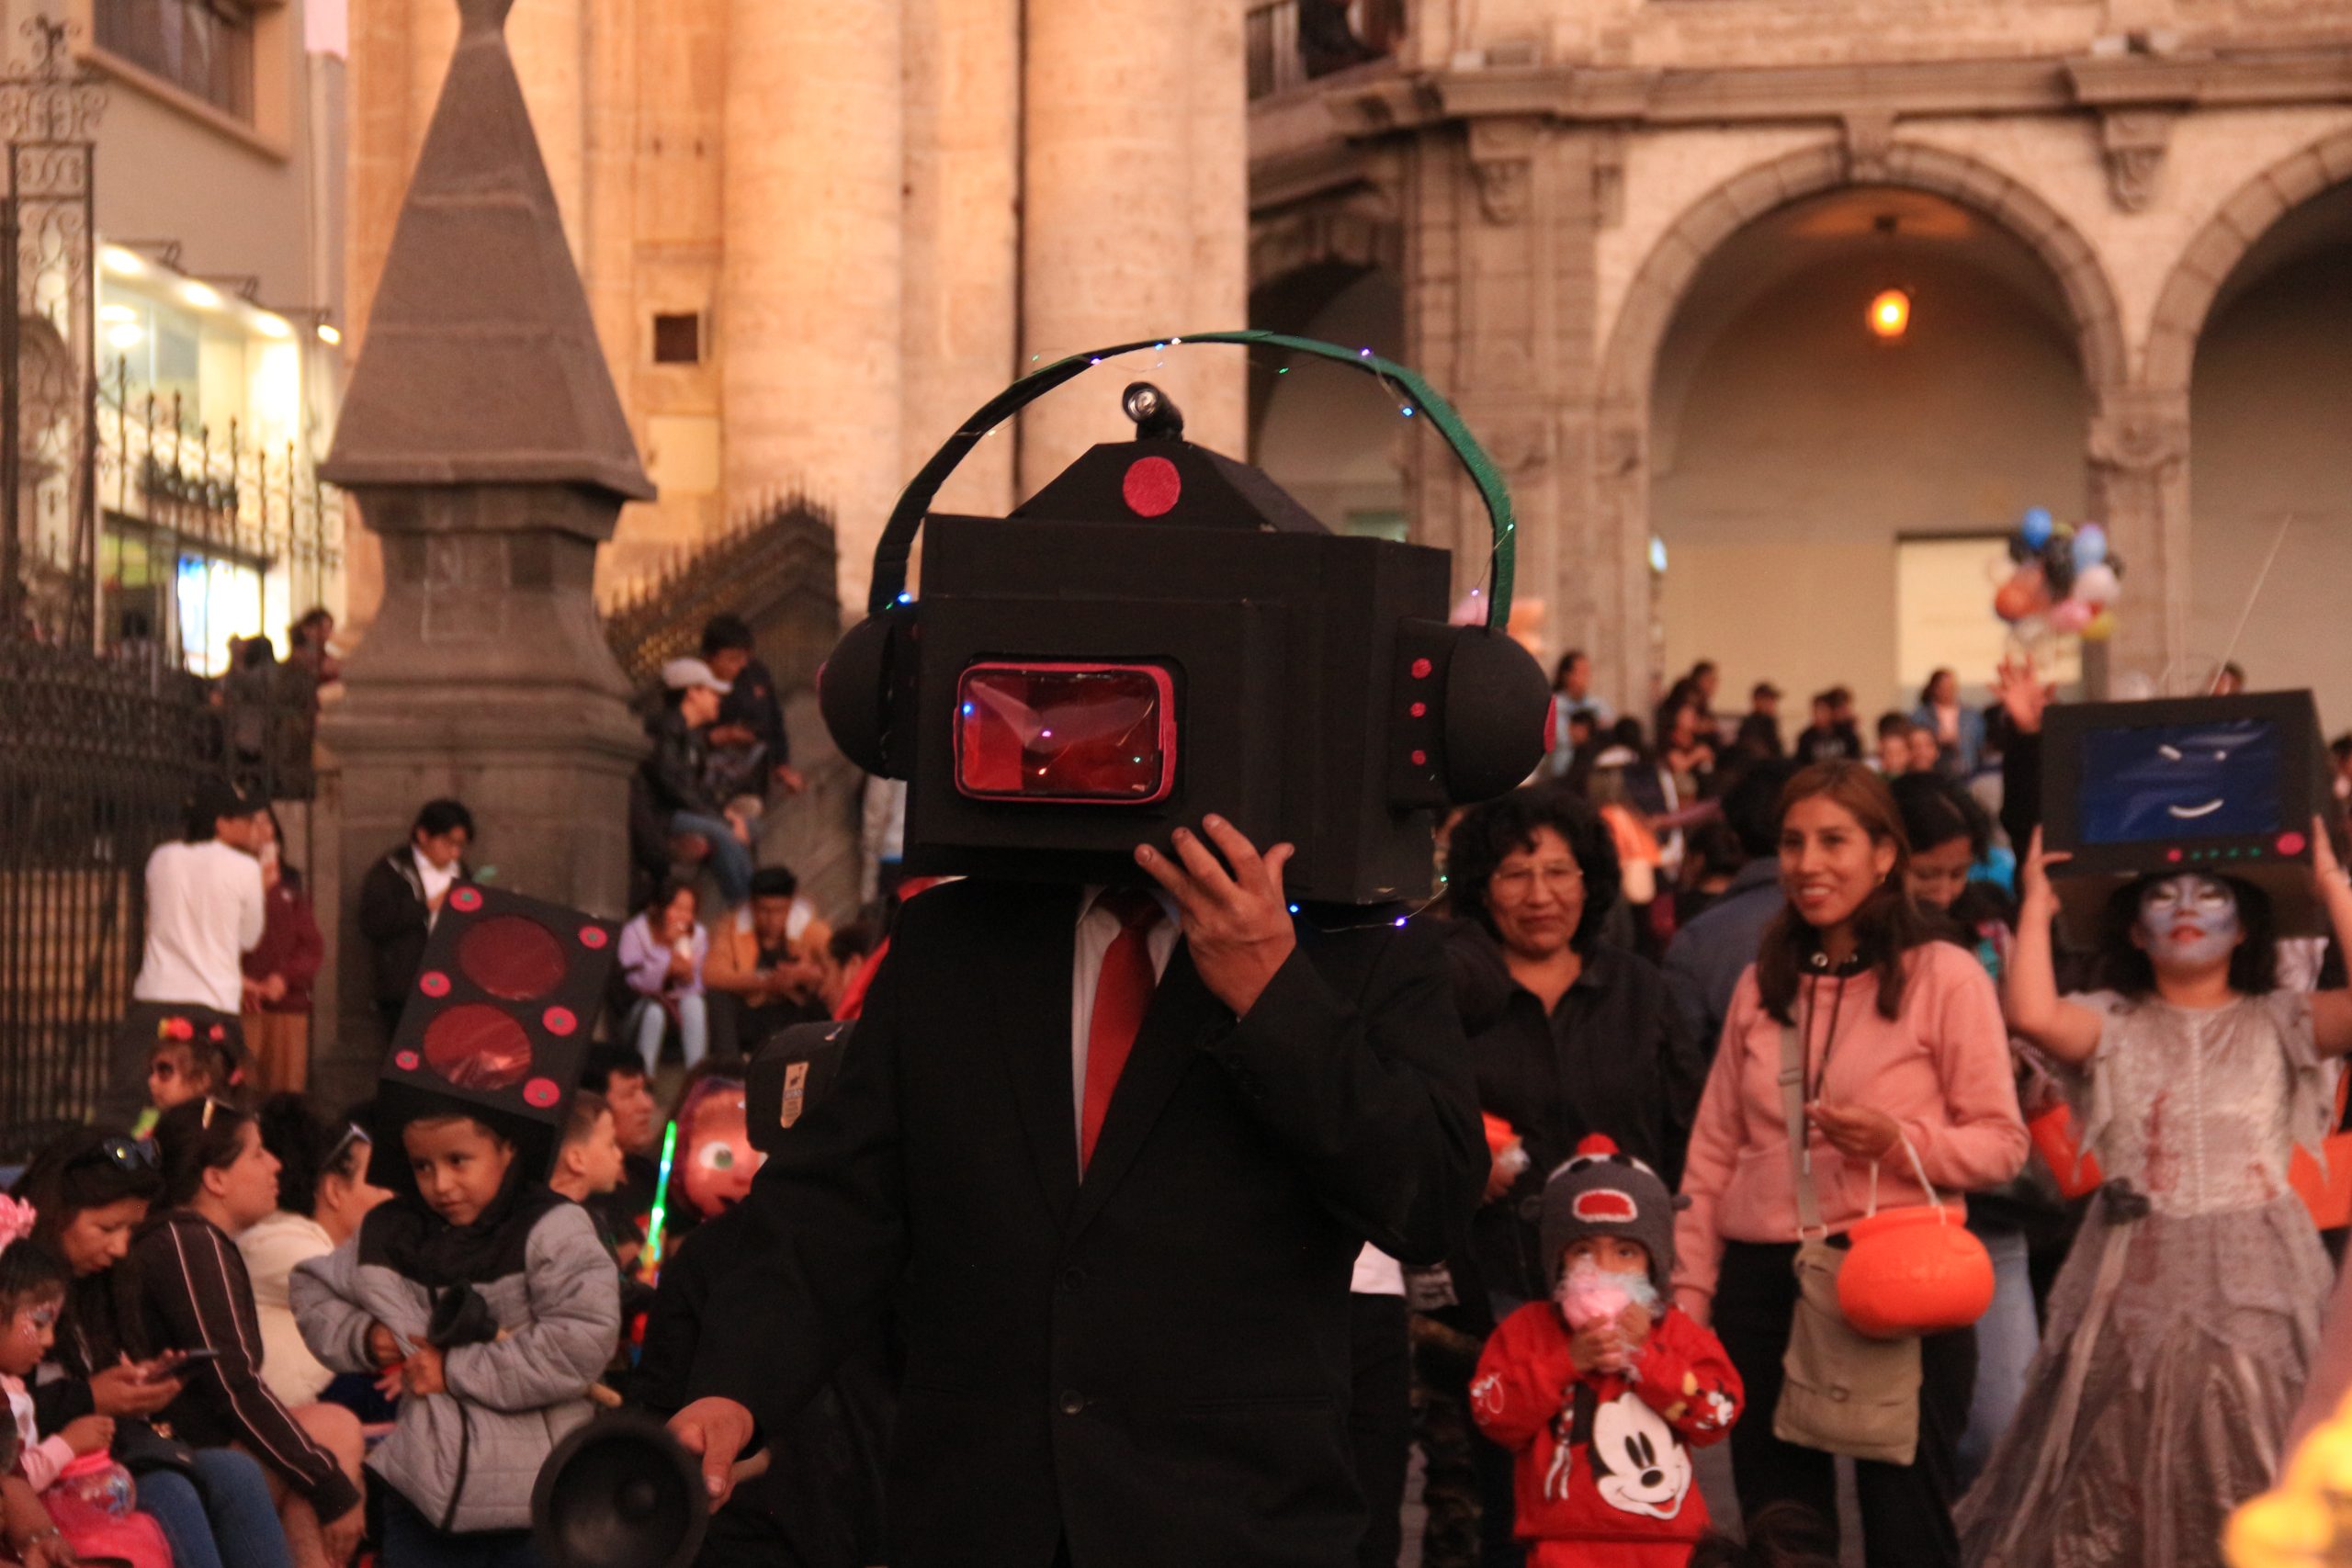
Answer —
(1161, 632)
(503, 1006)
(2224, 785)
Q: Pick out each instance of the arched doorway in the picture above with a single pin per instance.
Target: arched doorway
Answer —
(1786, 459)
(1815, 483)
(2269, 409)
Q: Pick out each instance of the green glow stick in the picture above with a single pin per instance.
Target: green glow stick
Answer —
(661, 1215)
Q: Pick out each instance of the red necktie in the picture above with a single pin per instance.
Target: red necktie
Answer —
(1121, 995)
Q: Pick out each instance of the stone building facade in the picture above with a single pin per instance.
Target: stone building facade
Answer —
(1634, 241)
(815, 237)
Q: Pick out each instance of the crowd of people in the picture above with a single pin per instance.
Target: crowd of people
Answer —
(1724, 995)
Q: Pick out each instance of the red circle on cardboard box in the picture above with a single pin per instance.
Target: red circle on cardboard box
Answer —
(475, 1045)
(2291, 842)
(465, 898)
(1151, 487)
(405, 1061)
(1421, 668)
(541, 1093)
(511, 958)
(1421, 710)
(592, 936)
(1421, 758)
(559, 1021)
(433, 983)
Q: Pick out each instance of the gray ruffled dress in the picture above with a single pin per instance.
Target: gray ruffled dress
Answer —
(2179, 1337)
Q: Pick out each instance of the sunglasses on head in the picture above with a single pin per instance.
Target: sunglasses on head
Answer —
(352, 1133)
(130, 1154)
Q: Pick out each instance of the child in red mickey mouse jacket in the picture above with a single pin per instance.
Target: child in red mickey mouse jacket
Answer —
(1603, 1390)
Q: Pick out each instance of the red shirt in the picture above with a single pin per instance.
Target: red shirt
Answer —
(1604, 1459)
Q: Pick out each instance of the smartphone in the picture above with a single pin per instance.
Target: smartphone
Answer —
(192, 1359)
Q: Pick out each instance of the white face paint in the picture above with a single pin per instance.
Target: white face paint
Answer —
(2189, 922)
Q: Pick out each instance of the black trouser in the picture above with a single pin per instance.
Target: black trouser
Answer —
(1380, 1422)
(1906, 1509)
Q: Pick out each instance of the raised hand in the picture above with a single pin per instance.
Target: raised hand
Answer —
(2023, 694)
(1237, 924)
(2034, 894)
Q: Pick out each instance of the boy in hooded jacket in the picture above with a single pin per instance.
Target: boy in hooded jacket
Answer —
(490, 1301)
(1603, 1390)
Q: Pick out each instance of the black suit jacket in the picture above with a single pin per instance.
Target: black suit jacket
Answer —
(1154, 1362)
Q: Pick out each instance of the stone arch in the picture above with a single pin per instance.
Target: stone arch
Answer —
(2207, 263)
(1666, 275)
(1621, 473)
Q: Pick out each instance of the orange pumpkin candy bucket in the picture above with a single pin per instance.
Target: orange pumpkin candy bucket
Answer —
(1916, 1270)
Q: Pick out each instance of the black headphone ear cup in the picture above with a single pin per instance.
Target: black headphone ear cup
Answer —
(860, 690)
(1495, 701)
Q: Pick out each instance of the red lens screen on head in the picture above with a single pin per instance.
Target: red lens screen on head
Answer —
(1094, 734)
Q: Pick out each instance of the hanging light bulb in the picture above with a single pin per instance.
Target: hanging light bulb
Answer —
(1890, 314)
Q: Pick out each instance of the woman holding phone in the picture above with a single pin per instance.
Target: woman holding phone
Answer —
(92, 1190)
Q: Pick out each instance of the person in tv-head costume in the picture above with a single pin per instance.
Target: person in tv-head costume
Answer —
(1111, 1153)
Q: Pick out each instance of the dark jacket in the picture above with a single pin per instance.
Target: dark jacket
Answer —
(1152, 1364)
(819, 1504)
(675, 774)
(1760, 736)
(1707, 957)
(753, 704)
(1612, 1058)
(394, 919)
(290, 946)
(194, 1293)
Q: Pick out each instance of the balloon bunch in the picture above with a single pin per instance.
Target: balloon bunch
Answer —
(2065, 579)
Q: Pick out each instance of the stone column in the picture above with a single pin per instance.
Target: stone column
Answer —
(809, 333)
(962, 236)
(1123, 236)
(2139, 488)
(1500, 219)
(488, 451)
(1217, 404)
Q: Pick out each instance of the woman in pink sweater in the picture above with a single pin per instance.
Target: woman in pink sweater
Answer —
(1902, 1041)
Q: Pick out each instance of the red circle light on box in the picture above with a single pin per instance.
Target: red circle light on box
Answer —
(541, 1093)
(559, 1021)
(513, 958)
(476, 1047)
(467, 899)
(2292, 843)
(406, 1061)
(593, 937)
(1421, 710)
(2173, 855)
(1151, 487)
(1421, 668)
(433, 983)
(1421, 758)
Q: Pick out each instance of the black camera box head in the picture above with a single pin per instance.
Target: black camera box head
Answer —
(2228, 787)
(497, 1024)
(1160, 633)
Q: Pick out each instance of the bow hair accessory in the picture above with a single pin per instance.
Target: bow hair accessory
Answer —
(15, 1220)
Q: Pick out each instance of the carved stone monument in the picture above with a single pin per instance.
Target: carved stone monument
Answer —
(485, 444)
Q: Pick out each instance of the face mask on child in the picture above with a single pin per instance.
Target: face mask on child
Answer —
(1588, 1293)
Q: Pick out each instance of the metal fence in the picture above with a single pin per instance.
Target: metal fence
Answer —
(103, 729)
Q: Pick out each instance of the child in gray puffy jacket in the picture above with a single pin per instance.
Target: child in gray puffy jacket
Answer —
(490, 1301)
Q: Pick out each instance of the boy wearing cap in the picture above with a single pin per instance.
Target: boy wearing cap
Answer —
(677, 774)
(1603, 1390)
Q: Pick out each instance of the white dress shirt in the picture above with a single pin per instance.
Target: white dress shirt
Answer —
(205, 910)
(1097, 929)
(436, 885)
